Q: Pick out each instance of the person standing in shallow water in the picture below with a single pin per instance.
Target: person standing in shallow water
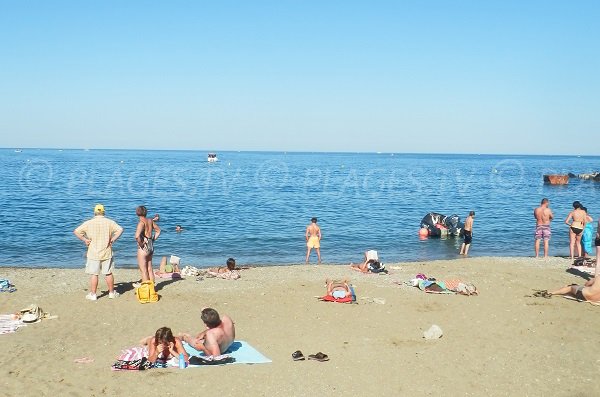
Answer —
(145, 242)
(576, 222)
(543, 216)
(468, 234)
(313, 239)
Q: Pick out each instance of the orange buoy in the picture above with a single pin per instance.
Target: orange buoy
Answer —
(423, 232)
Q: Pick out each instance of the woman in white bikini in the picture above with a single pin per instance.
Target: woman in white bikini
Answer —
(145, 241)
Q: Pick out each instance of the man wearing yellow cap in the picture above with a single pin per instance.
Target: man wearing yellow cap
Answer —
(99, 234)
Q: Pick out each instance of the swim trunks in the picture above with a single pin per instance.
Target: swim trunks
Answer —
(468, 237)
(579, 293)
(543, 232)
(597, 242)
(313, 242)
(339, 294)
(168, 268)
(577, 231)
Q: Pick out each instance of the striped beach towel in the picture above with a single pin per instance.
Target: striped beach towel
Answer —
(8, 324)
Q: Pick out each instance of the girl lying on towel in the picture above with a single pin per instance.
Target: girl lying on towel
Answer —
(159, 351)
(163, 346)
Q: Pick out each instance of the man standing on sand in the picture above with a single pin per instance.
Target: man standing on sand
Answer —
(218, 335)
(468, 233)
(543, 216)
(313, 239)
(99, 234)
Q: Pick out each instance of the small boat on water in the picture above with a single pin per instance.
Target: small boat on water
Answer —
(212, 158)
(556, 179)
(18, 150)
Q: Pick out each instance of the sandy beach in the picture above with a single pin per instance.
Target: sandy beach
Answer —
(499, 343)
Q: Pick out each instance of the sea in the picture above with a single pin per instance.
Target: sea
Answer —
(255, 206)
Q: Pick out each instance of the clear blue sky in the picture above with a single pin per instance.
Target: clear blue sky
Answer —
(496, 76)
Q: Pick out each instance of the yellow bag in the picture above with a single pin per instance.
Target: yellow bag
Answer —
(146, 292)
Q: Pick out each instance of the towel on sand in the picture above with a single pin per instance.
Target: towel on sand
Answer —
(241, 352)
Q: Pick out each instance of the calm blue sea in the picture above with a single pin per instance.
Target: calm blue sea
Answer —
(254, 206)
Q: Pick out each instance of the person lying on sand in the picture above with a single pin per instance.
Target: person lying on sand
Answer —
(218, 335)
(163, 346)
(338, 289)
(229, 272)
(371, 264)
(588, 292)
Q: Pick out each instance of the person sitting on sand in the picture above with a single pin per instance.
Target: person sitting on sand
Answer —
(588, 292)
(163, 346)
(218, 335)
(229, 272)
(171, 267)
(370, 265)
(338, 289)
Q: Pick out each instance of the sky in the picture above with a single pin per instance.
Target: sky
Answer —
(497, 76)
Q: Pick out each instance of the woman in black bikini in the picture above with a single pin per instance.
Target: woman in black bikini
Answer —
(578, 218)
(145, 241)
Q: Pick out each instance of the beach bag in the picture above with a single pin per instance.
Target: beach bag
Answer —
(146, 293)
(376, 267)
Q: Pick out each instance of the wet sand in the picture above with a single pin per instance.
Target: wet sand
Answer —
(499, 343)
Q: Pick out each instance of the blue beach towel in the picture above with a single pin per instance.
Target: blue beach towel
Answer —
(240, 351)
(6, 286)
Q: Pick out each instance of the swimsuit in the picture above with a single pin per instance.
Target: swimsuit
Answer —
(579, 293)
(313, 242)
(543, 232)
(597, 242)
(468, 237)
(576, 230)
(339, 294)
(148, 245)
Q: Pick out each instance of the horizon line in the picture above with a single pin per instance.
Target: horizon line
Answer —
(299, 151)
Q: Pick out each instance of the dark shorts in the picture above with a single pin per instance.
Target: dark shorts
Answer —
(468, 237)
(597, 242)
(576, 230)
(543, 232)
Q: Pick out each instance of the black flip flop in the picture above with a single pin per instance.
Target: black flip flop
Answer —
(319, 357)
(297, 355)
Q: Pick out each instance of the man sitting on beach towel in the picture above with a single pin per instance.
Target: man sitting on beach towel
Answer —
(218, 335)
(589, 292)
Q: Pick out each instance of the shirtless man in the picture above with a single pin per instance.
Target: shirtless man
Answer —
(543, 216)
(588, 292)
(145, 241)
(468, 232)
(313, 239)
(218, 335)
(578, 218)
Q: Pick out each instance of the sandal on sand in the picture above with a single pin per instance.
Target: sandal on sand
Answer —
(542, 294)
(319, 357)
(297, 355)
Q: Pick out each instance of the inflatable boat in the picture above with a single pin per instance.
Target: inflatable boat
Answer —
(439, 225)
